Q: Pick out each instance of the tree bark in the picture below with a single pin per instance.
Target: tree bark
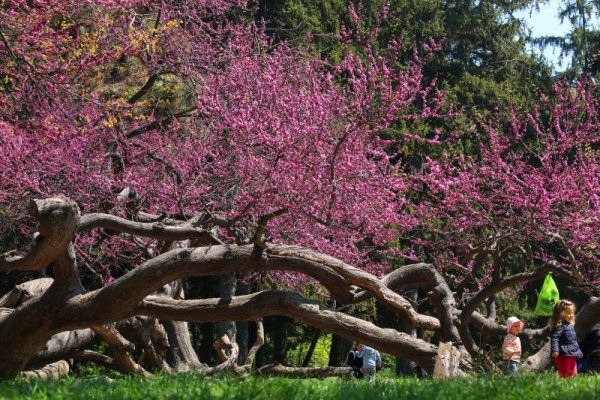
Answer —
(403, 366)
(227, 287)
(62, 346)
(25, 291)
(55, 370)
(432, 283)
(339, 350)
(290, 372)
(279, 326)
(260, 340)
(181, 353)
(121, 348)
(58, 220)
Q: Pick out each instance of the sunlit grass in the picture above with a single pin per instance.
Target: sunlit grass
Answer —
(189, 386)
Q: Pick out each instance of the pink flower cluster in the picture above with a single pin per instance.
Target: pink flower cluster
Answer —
(269, 127)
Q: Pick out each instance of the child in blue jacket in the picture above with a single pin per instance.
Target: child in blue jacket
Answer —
(371, 361)
(564, 347)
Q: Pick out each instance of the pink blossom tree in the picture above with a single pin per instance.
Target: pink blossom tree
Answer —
(197, 147)
(251, 130)
(525, 205)
(225, 130)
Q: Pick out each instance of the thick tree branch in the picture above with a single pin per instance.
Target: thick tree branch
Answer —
(58, 220)
(491, 328)
(292, 305)
(155, 230)
(121, 348)
(303, 372)
(117, 300)
(25, 291)
(66, 273)
(359, 278)
(62, 346)
(429, 280)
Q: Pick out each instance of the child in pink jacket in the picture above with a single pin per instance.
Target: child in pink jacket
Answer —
(511, 347)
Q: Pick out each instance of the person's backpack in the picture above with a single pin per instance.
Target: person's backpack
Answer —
(547, 298)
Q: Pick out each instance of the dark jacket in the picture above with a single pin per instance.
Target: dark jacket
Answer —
(590, 346)
(355, 362)
(564, 341)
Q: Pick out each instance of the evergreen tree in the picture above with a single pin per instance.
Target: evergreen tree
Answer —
(293, 20)
(579, 45)
(484, 63)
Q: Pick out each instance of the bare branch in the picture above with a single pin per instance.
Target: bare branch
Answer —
(228, 362)
(155, 230)
(491, 328)
(260, 340)
(62, 346)
(159, 123)
(169, 167)
(258, 238)
(144, 89)
(497, 287)
(120, 348)
(51, 371)
(229, 226)
(433, 284)
(303, 372)
(25, 291)
(572, 260)
(98, 358)
(66, 273)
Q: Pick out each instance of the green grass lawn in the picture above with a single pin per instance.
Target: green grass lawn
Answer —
(188, 386)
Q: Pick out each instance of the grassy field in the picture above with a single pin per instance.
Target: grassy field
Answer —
(188, 386)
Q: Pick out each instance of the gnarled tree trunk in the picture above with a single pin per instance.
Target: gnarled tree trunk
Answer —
(49, 308)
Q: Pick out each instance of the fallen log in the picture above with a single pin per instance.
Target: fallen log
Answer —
(303, 372)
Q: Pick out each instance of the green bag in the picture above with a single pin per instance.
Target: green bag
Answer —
(547, 298)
